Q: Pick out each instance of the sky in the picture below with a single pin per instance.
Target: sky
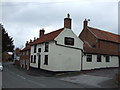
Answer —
(23, 20)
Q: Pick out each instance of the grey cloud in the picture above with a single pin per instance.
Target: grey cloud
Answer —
(23, 20)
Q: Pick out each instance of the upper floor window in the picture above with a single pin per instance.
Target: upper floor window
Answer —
(35, 48)
(39, 49)
(107, 58)
(89, 58)
(98, 58)
(46, 46)
(69, 41)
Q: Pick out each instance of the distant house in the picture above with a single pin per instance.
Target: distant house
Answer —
(60, 50)
(101, 48)
(16, 56)
(25, 56)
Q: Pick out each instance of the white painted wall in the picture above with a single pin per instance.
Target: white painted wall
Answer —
(63, 59)
(60, 58)
(69, 33)
(114, 62)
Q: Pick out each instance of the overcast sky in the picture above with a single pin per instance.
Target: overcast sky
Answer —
(24, 20)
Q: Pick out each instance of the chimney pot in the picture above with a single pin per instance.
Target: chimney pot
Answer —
(41, 32)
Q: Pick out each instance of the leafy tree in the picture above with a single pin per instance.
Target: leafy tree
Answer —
(7, 41)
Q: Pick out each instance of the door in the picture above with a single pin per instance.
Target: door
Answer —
(39, 59)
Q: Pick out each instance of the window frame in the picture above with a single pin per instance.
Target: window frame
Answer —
(66, 40)
(107, 58)
(46, 46)
(87, 59)
(39, 50)
(46, 60)
(99, 58)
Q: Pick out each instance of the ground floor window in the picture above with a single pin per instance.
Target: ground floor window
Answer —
(89, 58)
(34, 59)
(46, 60)
(98, 58)
(107, 58)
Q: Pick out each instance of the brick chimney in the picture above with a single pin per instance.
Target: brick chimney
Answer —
(41, 32)
(85, 23)
(67, 22)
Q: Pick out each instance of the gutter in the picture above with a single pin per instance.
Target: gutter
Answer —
(67, 46)
(81, 61)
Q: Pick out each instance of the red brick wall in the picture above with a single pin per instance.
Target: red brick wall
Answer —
(86, 35)
(104, 46)
(25, 56)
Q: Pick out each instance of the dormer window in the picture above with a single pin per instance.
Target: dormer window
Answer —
(69, 41)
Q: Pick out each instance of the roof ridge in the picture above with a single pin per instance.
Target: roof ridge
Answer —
(104, 31)
(48, 36)
(52, 32)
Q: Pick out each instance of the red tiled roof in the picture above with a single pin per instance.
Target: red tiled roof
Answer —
(48, 37)
(103, 35)
(26, 48)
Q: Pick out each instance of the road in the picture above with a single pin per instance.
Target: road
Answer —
(13, 77)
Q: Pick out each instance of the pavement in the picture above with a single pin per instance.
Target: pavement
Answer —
(103, 78)
(35, 78)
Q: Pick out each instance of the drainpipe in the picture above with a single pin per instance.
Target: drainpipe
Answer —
(82, 60)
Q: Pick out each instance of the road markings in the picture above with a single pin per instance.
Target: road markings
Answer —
(42, 85)
(21, 76)
(16, 74)
(6, 69)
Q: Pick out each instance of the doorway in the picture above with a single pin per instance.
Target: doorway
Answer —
(39, 59)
